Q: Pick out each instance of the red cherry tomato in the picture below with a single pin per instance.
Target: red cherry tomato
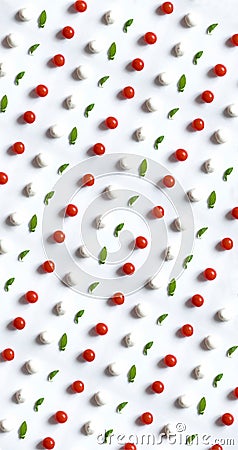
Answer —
(59, 236)
(18, 148)
(48, 266)
(78, 386)
(234, 39)
(141, 242)
(146, 418)
(209, 274)
(89, 355)
(41, 90)
(187, 330)
(129, 446)
(19, 323)
(158, 212)
(157, 387)
(207, 96)
(71, 210)
(99, 149)
(167, 7)
(111, 123)
(170, 360)
(88, 179)
(29, 117)
(128, 92)
(227, 419)
(220, 70)
(8, 354)
(80, 6)
(137, 64)
(128, 268)
(101, 329)
(168, 181)
(227, 243)
(216, 447)
(48, 443)
(198, 124)
(3, 178)
(31, 296)
(58, 60)
(118, 298)
(150, 38)
(68, 32)
(234, 212)
(197, 300)
(236, 392)
(181, 154)
(61, 417)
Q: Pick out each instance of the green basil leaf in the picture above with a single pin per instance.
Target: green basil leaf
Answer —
(196, 57)
(103, 255)
(121, 406)
(182, 83)
(33, 48)
(19, 77)
(33, 224)
(78, 315)
(8, 283)
(4, 103)
(22, 255)
(52, 375)
(73, 136)
(48, 197)
(132, 200)
(127, 24)
(63, 342)
(172, 113)
(172, 287)
(93, 286)
(187, 260)
(42, 19)
(62, 168)
(132, 374)
(88, 109)
(201, 231)
(161, 318)
(107, 434)
(231, 350)
(202, 405)
(158, 141)
(191, 438)
(211, 200)
(147, 347)
(112, 51)
(226, 173)
(211, 28)
(216, 379)
(143, 168)
(118, 228)
(103, 80)
(23, 430)
(38, 403)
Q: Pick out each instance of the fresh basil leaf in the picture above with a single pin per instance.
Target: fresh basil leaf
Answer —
(23, 430)
(161, 318)
(172, 113)
(231, 350)
(112, 51)
(107, 434)
(3, 104)
(22, 255)
(201, 231)
(191, 438)
(121, 406)
(226, 173)
(118, 228)
(62, 168)
(132, 374)
(38, 403)
(33, 48)
(196, 57)
(158, 141)
(88, 109)
(63, 342)
(127, 24)
(211, 28)
(216, 379)
(211, 200)
(73, 136)
(103, 80)
(172, 287)
(19, 76)
(42, 19)
(33, 224)
(132, 200)
(103, 255)
(143, 168)
(8, 283)
(187, 260)
(48, 197)
(202, 405)
(52, 375)
(182, 83)
(147, 347)
(93, 286)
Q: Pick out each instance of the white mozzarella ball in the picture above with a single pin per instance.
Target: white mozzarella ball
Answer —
(7, 424)
(47, 337)
(130, 339)
(192, 19)
(96, 46)
(57, 130)
(210, 165)
(115, 368)
(25, 14)
(84, 252)
(166, 78)
(180, 48)
(111, 192)
(222, 135)
(84, 72)
(195, 194)
(16, 218)
(32, 366)
(61, 308)
(141, 310)
(43, 159)
(225, 314)
(200, 371)
(101, 398)
(185, 401)
(212, 342)
(21, 395)
(72, 101)
(232, 110)
(153, 104)
(5, 246)
(110, 17)
(141, 134)
(90, 427)
(14, 40)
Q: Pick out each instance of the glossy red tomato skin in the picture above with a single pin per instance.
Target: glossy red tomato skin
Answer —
(234, 212)
(128, 268)
(235, 392)
(168, 181)
(227, 419)
(48, 266)
(167, 7)
(111, 122)
(29, 117)
(150, 38)
(8, 354)
(141, 242)
(146, 418)
(101, 329)
(31, 296)
(18, 148)
(61, 417)
(89, 355)
(99, 149)
(48, 443)
(170, 360)
(88, 179)
(129, 446)
(197, 300)
(59, 236)
(220, 70)
(42, 90)
(3, 178)
(68, 32)
(58, 60)
(187, 330)
(198, 124)
(80, 6)
(71, 210)
(227, 243)
(209, 274)
(157, 387)
(216, 447)
(137, 64)
(118, 298)
(207, 96)
(181, 154)
(128, 92)
(77, 386)
(19, 323)
(158, 212)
